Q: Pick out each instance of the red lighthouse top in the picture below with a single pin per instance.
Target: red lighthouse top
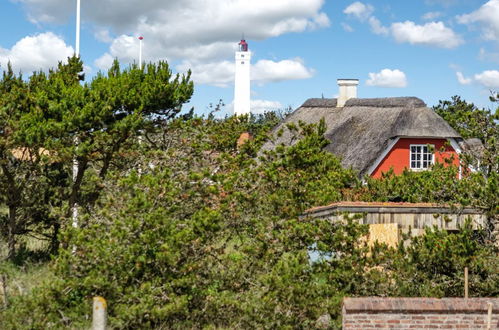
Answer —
(243, 46)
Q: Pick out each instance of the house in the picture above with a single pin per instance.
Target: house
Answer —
(374, 135)
(388, 221)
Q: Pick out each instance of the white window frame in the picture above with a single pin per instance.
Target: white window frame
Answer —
(422, 154)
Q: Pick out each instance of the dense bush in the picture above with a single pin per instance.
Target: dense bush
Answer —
(205, 236)
(179, 227)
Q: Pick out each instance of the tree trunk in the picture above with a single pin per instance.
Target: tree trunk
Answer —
(54, 242)
(12, 232)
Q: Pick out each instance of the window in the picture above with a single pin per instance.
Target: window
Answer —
(242, 62)
(421, 156)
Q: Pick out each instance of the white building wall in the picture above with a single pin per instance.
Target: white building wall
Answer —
(242, 84)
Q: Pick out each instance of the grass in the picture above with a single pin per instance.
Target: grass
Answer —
(22, 279)
(29, 269)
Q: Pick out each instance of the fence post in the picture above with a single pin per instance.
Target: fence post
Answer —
(489, 316)
(466, 282)
(3, 290)
(99, 314)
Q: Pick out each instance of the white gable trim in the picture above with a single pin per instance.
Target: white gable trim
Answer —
(458, 150)
(455, 145)
(382, 156)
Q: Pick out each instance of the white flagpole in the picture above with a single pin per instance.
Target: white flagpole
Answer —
(140, 52)
(77, 27)
(75, 160)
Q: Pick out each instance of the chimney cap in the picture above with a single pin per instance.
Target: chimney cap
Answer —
(348, 81)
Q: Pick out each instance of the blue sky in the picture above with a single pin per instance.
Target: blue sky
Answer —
(432, 49)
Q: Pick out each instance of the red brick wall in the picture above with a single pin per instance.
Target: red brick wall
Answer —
(398, 157)
(419, 313)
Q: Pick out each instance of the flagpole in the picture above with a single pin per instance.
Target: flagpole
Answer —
(75, 160)
(77, 27)
(140, 52)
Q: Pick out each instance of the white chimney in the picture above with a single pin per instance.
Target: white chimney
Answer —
(348, 90)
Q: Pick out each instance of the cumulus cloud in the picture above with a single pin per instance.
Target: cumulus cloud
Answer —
(444, 3)
(432, 15)
(387, 78)
(485, 55)
(359, 10)
(262, 106)
(103, 35)
(376, 26)
(221, 73)
(363, 12)
(39, 52)
(430, 34)
(259, 106)
(488, 78)
(197, 34)
(487, 17)
(347, 27)
(104, 62)
(462, 80)
(270, 71)
(184, 28)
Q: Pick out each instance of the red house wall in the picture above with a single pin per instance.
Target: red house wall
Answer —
(398, 157)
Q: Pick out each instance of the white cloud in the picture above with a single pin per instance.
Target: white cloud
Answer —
(485, 55)
(359, 10)
(39, 52)
(376, 26)
(262, 106)
(430, 34)
(363, 13)
(432, 15)
(221, 73)
(200, 35)
(488, 78)
(186, 29)
(269, 71)
(444, 3)
(487, 16)
(103, 35)
(259, 106)
(387, 78)
(347, 27)
(462, 80)
(104, 62)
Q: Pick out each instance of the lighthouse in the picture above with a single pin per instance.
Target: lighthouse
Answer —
(242, 80)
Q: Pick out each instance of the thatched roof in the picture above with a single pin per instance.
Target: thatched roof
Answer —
(361, 130)
(26, 154)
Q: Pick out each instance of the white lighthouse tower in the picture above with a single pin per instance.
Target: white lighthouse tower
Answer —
(242, 80)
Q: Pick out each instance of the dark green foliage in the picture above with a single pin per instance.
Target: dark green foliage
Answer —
(189, 230)
(471, 122)
(433, 265)
(211, 237)
(51, 120)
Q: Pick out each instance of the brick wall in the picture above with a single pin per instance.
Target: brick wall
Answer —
(419, 313)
